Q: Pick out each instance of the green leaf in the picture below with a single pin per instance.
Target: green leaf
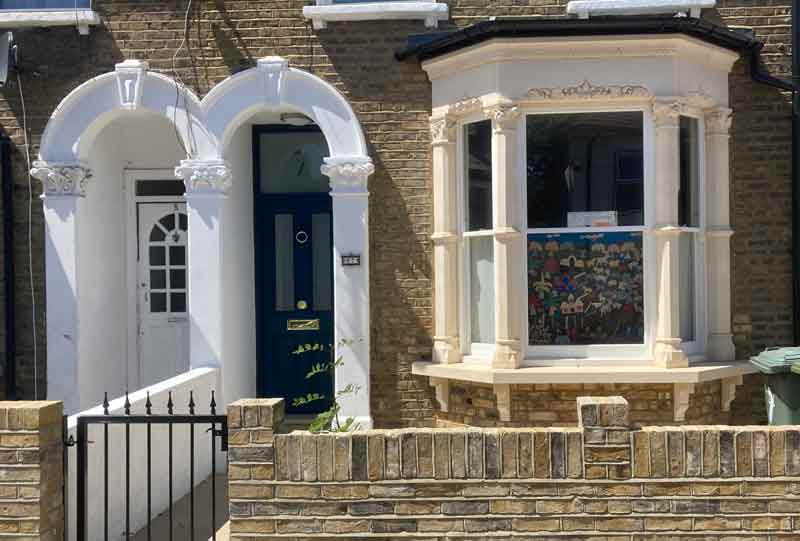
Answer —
(322, 421)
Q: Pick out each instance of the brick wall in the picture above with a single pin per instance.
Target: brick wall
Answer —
(392, 101)
(31, 474)
(600, 481)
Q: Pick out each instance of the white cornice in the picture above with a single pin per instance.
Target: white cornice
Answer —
(504, 50)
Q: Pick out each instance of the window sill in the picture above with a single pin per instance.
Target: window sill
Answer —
(429, 11)
(586, 8)
(81, 18)
(682, 379)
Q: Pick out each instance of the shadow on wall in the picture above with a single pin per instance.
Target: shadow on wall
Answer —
(233, 48)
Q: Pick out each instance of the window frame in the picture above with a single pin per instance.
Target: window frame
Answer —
(541, 355)
(473, 352)
(695, 349)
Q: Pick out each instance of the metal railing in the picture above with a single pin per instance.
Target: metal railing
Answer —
(217, 428)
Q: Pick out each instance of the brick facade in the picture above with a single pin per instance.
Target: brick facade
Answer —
(31, 455)
(601, 480)
(393, 101)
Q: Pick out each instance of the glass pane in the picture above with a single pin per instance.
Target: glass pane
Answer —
(284, 262)
(157, 235)
(322, 255)
(687, 286)
(177, 255)
(158, 279)
(168, 222)
(688, 195)
(478, 173)
(158, 302)
(585, 170)
(160, 187)
(157, 255)
(177, 279)
(184, 222)
(177, 302)
(290, 161)
(585, 288)
(481, 274)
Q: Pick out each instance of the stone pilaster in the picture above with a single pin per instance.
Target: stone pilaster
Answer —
(718, 234)
(508, 238)
(207, 182)
(348, 180)
(668, 353)
(446, 348)
(63, 187)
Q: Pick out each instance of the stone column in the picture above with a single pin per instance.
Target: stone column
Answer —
(668, 353)
(207, 183)
(508, 239)
(718, 233)
(64, 185)
(348, 179)
(446, 348)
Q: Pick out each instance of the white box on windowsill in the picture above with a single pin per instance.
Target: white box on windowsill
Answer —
(600, 218)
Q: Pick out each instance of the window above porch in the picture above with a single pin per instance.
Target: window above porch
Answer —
(44, 13)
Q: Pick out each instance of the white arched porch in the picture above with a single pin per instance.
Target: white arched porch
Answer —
(209, 135)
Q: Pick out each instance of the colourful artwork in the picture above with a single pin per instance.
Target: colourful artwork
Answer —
(585, 288)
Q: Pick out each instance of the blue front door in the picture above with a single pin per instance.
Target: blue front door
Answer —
(294, 264)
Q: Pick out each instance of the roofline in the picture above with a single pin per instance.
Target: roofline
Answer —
(601, 26)
(560, 27)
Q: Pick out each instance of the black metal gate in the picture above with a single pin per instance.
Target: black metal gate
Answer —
(215, 425)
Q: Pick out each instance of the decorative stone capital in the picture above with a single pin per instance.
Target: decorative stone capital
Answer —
(504, 117)
(62, 179)
(718, 121)
(443, 130)
(667, 113)
(348, 175)
(205, 177)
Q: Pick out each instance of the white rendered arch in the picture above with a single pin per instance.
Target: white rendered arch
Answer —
(205, 128)
(131, 88)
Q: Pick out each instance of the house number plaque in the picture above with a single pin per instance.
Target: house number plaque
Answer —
(351, 260)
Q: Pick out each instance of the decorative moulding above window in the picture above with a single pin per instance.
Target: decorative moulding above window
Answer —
(589, 8)
(25, 18)
(327, 10)
(588, 91)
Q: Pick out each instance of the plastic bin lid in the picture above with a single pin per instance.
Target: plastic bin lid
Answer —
(796, 368)
(777, 360)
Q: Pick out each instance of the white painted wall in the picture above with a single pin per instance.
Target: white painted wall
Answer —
(201, 381)
(239, 335)
(134, 141)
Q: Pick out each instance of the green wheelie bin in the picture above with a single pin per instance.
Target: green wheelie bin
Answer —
(781, 370)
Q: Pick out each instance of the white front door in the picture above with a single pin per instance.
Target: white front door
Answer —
(163, 317)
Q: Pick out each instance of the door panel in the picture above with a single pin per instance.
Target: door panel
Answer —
(163, 319)
(295, 277)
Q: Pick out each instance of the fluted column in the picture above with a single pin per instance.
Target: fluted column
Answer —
(718, 230)
(508, 239)
(207, 183)
(668, 353)
(348, 180)
(64, 185)
(446, 348)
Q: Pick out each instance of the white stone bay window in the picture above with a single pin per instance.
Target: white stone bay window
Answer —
(581, 215)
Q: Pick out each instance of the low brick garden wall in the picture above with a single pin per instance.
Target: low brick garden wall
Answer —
(601, 481)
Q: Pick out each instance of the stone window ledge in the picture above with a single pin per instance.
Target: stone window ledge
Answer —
(683, 380)
(25, 18)
(429, 11)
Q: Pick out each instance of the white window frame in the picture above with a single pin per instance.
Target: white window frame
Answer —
(325, 11)
(695, 349)
(538, 355)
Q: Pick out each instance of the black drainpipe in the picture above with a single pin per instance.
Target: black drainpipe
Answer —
(9, 371)
(796, 168)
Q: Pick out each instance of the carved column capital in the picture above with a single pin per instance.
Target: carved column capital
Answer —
(443, 130)
(348, 175)
(62, 179)
(205, 177)
(504, 117)
(667, 113)
(718, 121)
